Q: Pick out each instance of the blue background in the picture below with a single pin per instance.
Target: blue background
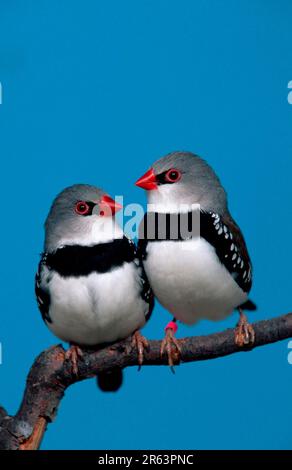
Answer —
(94, 92)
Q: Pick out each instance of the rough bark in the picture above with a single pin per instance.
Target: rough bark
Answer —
(51, 374)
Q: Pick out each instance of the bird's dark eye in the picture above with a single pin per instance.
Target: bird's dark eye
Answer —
(173, 175)
(82, 208)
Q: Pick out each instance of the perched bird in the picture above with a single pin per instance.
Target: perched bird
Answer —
(200, 275)
(91, 288)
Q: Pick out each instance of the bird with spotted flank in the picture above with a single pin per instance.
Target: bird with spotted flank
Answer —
(205, 275)
(91, 286)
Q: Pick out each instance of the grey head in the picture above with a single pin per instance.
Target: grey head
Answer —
(81, 214)
(183, 178)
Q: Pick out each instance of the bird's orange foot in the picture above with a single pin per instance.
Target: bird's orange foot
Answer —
(140, 343)
(244, 332)
(73, 354)
(170, 345)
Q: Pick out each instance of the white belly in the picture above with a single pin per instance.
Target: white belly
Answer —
(190, 282)
(98, 308)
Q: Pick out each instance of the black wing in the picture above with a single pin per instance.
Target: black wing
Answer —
(146, 291)
(42, 293)
(224, 235)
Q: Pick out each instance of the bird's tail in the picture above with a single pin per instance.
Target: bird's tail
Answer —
(248, 305)
(110, 381)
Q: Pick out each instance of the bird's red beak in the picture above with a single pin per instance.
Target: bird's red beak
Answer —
(147, 181)
(109, 206)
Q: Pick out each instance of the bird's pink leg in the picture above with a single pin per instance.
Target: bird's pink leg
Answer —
(170, 345)
(141, 343)
(244, 332)
(73, 354)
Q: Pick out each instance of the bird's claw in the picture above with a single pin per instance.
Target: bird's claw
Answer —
(140, 343)
(73, 354)
(171, 347)
(244, 332)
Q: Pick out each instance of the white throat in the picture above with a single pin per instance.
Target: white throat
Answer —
(163, 200)
(102, 230)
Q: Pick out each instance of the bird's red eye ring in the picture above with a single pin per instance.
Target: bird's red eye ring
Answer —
(82, 208)
(173, 175)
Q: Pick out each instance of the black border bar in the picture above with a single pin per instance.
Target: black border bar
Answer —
(133, 459)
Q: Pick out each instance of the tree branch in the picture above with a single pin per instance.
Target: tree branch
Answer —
(51, 374)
